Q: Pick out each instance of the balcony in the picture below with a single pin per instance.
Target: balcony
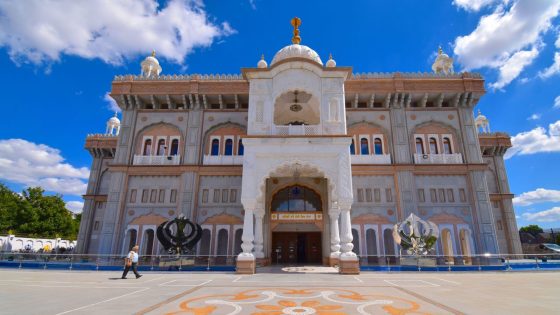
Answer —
(455, 158)
(223, 160)
(297, 130)
(371, 159)
(156, 160)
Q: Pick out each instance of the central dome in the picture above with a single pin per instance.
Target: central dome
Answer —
(296, 51)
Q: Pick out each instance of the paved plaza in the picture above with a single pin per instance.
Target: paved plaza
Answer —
(297, 290)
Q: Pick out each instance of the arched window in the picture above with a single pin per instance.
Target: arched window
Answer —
(161, 147)
(204, 249)
(132, 235)
(447, 244)
(356, 242)
(296, 198)
(174, 147)
(433, 146)
(148, 242)
(229, 147)
(447, 146)
(147, 147)
(237, 244)
(377, 146)
(215, 147)
(388, 242)
(240, 148)
(222, 243)
(371, 242)
(419, 146)
(364, 146)
(352, 147)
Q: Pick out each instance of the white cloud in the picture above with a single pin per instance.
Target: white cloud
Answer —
(536, 141)
(501, 39)
(539, 195)
(553, 69)
(32, 164)
(252, 4)
(111, 103)
(557, 102)
(513, 67)
(41, 31)
(473, 5)
(534, 117)
(550, 215)
(75, 206)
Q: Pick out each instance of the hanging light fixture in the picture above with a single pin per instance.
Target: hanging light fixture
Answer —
(295, 107)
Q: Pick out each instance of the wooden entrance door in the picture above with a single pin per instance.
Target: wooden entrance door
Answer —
(290, 248)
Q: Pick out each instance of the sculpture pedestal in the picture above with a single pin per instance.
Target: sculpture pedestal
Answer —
(246, 265)
(348, 265)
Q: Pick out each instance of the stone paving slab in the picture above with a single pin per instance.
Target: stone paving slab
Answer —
(293, 291)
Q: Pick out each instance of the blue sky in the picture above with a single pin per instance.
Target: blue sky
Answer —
(59, 57)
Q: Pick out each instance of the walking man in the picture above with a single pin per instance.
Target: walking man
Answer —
(131, 260)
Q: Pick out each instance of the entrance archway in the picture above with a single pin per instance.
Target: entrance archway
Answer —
(296, 212)
(447, 245)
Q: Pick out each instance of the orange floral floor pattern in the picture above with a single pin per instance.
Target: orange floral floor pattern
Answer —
(278, 301)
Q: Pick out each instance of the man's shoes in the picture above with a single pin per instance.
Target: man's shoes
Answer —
(138, 276)
(123, 278)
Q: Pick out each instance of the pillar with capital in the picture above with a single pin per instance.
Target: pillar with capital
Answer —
(246, 263)
(259, 240)
(334, 214)
(348, 261)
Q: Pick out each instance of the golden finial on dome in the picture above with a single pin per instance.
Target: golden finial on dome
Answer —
(262, 57)
(440, 51)
(153, 53)
(330, 56)
(296, 22)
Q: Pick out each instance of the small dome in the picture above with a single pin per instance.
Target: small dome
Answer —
(331, 63)
(296, 51)
(262, 63)
(480, 118)
(150, 66)
(114, 121)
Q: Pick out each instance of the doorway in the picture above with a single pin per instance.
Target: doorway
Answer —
(296, 248)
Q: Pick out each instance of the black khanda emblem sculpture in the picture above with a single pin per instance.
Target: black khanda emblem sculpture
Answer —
(179, 242)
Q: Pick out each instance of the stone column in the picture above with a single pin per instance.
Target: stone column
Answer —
(349, 263)
(246, 259)
(334, 213)
(259, 215)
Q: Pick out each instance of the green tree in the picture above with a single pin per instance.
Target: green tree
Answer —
(533, 229)
(9, 204)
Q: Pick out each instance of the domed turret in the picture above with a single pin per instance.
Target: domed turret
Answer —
(262, 63)
(296, 50)
(331, 63)
(113, 126)
(443, 63)
(150, 66)
(482, 123)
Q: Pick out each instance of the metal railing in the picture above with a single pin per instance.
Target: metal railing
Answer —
(455, 158)
(116, 262)
(222, 160)
(371, 159)
(156, 159)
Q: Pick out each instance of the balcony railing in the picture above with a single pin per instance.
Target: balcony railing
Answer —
(371, 159)
(455, 158)
(223, 160)
(156, 160)
(297, 130)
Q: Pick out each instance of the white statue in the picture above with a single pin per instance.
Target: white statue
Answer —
(443, 63)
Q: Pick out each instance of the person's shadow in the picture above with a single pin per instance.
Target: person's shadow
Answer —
(115, 278)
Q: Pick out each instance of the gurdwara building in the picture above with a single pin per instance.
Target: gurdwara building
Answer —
(299, 161)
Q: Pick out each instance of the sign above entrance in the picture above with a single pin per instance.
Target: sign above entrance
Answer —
(296, 216)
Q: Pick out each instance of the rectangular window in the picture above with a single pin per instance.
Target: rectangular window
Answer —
(433, 195)
(173, 196)
(161, 198)
(216, 195)
(499, 225)
(144, 195)
(462, 195)
(233, 195)
(133, 196)
(96, 226)
(377, 194)
(205, 196)
(495, 204)
(388, 195)
(450, 195)
(421, 197)
(360, 195)
(368, 195)
(441, 195)
(153, 196)
(225, 193)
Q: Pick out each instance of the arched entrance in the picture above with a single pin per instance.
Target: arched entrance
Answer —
(296, 213)
(447, 245)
